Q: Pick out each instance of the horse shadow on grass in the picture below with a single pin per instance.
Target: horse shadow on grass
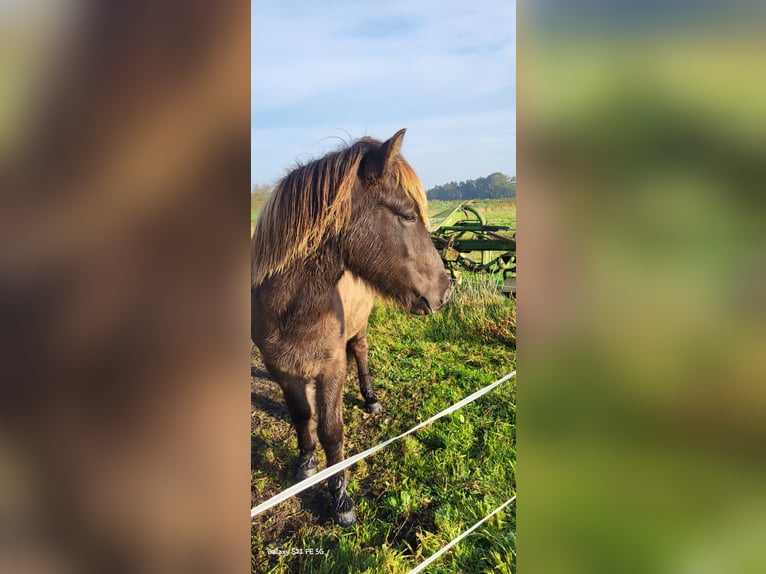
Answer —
(274, 452)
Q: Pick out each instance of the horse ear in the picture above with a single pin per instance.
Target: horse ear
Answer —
(391, 147)
(377, 162)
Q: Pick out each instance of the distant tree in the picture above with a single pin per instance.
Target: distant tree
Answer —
(494, 186)
(258, 195)
(260, 188)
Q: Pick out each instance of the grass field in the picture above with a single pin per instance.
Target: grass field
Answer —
(495, 211)
(418, 494)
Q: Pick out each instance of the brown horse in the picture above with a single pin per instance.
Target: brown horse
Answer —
(335, 232)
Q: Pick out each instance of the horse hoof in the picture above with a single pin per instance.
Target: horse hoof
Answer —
(374, 408)
(343, 510)
(345, 519)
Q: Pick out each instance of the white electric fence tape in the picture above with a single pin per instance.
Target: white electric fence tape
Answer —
(423, 565)
(328, 472)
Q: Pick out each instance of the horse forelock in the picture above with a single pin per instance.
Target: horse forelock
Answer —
(312, 203)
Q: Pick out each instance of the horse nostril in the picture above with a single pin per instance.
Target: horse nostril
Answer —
(426, 304)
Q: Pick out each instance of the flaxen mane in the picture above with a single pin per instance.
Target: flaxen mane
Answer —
(313, 203)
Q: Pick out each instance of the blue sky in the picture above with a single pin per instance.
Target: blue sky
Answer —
(329, 69)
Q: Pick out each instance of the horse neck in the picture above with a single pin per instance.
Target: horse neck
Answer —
(305, 286)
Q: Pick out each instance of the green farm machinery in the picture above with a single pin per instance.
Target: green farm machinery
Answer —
(465, 241)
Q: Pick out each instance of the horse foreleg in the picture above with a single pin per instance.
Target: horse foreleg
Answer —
(299, 397)
(330, 414)
(358, 347)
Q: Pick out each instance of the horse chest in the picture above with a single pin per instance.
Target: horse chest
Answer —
(356, 298)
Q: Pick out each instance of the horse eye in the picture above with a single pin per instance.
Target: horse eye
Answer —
(409, 218)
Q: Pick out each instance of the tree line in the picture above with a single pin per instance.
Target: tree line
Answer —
(258, 195)
(493, 186)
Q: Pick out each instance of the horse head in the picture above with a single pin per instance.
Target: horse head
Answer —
(387, 242)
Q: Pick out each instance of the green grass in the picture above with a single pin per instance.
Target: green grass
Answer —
(421, 492)
(495, 211)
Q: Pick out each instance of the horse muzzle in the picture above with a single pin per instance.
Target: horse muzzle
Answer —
(421, 306)
(424, 305)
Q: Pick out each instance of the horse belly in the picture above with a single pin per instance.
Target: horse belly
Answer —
(306, 359)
